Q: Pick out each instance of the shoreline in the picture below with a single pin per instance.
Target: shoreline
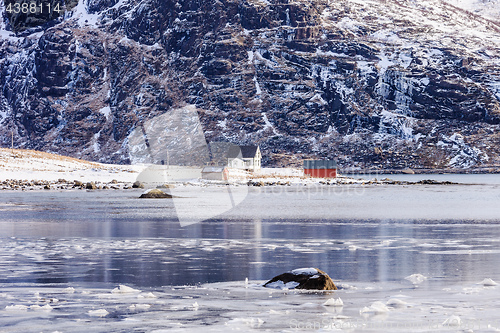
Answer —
(65, 185)
(29, 170)
(426, 171)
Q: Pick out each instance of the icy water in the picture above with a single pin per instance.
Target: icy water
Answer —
(421, 258)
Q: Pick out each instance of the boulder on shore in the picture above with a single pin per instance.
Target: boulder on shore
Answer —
(302, 278)
(155, 194)
(137, 184)
(91, 186)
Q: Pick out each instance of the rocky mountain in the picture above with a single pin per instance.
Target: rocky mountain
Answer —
(372, 83)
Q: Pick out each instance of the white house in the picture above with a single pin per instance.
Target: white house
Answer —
(244, 157)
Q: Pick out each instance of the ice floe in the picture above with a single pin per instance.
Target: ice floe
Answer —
(487, 282)
(98, 313)
(377, 307)
(122, 289)
(335, 302)
(416, 278)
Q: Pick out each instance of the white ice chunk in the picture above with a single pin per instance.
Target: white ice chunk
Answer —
(396, 303)
(376, 308)
(416, 278)
(17, 307)
(122, 289)
(69, 290)
(36, 307)
(334, 302)
(148, 295)
(488, 282)
(139, 307)
(98, 313)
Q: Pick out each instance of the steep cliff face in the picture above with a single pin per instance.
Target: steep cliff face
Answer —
(371, 83)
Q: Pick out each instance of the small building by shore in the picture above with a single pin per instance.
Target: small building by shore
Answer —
(215, 173)
(320, 168)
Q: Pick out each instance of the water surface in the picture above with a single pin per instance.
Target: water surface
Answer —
(369, 239)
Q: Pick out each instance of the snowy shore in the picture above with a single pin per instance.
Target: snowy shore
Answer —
(34, 170)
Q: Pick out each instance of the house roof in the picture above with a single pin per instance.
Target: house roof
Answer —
(242, 151)
(320, 164)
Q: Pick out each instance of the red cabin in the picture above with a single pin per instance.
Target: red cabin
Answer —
(320, 168)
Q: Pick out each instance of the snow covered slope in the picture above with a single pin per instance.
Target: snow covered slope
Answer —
(29, 164)
(487, 8)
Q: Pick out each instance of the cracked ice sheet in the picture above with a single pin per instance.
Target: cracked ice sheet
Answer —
(431, 306)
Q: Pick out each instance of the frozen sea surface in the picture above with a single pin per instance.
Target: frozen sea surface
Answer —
(412, 258)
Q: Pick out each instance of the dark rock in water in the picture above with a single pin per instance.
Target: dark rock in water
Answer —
(91, 186)
(408, 171)
(435, 182)
(155, 194)
(302, 278)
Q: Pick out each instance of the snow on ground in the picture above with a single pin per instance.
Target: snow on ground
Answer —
(30, 164)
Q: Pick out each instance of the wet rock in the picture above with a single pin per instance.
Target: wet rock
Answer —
(257, 183)
(302, 278)
(434, 182)
(156, 194)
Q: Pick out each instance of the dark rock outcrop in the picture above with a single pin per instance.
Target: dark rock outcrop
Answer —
(302, 79)
(303, 278)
